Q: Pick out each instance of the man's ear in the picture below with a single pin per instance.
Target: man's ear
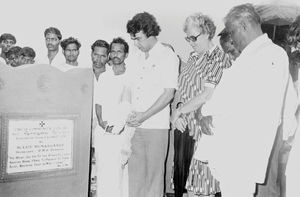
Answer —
(126, 55)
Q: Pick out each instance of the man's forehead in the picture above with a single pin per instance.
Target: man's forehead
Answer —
(118, 46)
(139, 34)
(51, 35)
(8, 40)
(72, 46)
(100, 50)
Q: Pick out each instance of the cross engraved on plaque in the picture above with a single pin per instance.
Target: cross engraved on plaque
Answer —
(42, 124)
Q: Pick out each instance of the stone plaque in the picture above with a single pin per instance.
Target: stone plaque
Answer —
(34, 145)
(37, 145)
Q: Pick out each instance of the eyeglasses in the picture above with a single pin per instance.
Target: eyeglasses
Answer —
(192, 38)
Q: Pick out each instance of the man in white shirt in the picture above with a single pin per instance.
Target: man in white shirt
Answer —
(54, 56)
(112, 138)
(247, 105)
(70, 47)
(154, 79)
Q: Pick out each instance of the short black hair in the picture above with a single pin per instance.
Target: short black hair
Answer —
(100, 43)
(68, 41)
(53, 30)
(27, 52)
(143, 22)
(15, 50)
(120, 40)
(8, 36)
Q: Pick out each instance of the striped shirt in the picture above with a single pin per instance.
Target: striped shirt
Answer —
(200, 71)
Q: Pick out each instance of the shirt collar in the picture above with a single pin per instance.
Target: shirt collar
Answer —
(256, 43)
(156, 49)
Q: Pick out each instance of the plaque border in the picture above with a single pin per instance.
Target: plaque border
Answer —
(8, 177)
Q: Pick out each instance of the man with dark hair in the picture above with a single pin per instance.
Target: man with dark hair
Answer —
(154, 79)
(227, 45)
(99, 55)
(70, 47)
(12, 56)
(112, 109)
(27, 55)
(52, 38)
(6, 42)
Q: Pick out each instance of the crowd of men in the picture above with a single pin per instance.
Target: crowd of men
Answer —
(131, 122)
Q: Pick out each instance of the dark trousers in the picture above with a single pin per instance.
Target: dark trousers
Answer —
(274, 175)
(183, 153)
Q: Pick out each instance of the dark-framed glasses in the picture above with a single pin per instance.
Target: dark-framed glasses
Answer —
(192, 38)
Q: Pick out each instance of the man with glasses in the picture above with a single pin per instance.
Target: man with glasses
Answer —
(6, 42)
(154, 79)
(53, 57)
(70, 47)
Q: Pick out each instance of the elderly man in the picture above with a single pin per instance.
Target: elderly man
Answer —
(154, 79)
(247, 105)
(6, 42)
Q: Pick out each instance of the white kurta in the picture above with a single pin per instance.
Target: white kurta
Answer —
(112, 151)
(246, 109)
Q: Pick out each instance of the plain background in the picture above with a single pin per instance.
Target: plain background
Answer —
(89, 20)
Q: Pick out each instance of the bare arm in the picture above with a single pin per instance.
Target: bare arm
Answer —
(99, 116)
(193, 104)
(196, 102)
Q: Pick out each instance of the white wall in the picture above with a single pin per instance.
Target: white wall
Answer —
(89, 20)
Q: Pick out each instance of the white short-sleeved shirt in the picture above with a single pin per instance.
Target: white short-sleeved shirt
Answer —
(148, 79)
(108, 93)
(66, 67)
(2, 60)
(58, 60)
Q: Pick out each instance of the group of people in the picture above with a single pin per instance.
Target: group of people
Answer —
(15, 56)
(231, 107)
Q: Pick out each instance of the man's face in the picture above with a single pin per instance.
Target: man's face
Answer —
(7, 44)
(26, 60)
(13, 60)
(141, 41)
(71, 53)
(99, 56)
(52, 42)
(238, 35)
(229, 48)
(117, 54)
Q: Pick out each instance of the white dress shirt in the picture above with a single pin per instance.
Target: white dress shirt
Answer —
(149, 77)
